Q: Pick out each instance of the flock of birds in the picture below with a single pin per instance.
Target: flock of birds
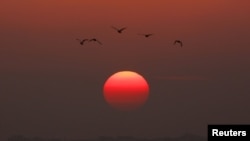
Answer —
(120, 30)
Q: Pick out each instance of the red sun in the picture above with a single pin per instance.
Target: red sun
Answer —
(126, 90)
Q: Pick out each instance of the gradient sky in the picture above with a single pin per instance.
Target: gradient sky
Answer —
(50, 86)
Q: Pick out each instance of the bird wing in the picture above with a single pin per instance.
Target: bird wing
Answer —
(178, 41)
(90, 40)
(123, 28)
(85, 40)
(78, 40)
(99, 42)
(114, 28)
(150, 34)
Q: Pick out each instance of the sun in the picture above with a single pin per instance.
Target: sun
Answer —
(126, 90)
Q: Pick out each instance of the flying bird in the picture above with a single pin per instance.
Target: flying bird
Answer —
(179, 42)
(95, 40)
(82, 41)
(119, 30)
(146, 35)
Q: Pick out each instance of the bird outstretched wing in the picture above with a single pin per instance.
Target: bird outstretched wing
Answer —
(178, 41)
(123, 28)
(181, 44)
(99, 42)
(146, 35)
(141, 34)
(95, 40)
(114, 28)
(149, 34)
(119, 30)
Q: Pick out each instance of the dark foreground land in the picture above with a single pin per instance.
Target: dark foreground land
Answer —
(106, 138)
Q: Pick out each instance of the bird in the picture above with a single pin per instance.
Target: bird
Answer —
(146, 35)
(119, 30)
(95, 40)
(82, 41)
(179, 42)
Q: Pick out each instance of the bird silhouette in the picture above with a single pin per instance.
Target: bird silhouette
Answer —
(82, 41)
(179, 42)
(95, 40)
(146, 35)
(119, 30)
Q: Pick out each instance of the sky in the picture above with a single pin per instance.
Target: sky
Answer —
(51, 86)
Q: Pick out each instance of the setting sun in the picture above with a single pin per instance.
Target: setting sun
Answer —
(126, 90)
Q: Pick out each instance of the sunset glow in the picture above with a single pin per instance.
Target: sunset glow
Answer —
(126, 90)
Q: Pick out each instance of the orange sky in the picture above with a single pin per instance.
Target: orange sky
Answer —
(65, 14)
(204, 25)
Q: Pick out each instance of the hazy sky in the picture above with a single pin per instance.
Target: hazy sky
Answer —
(50, 86)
